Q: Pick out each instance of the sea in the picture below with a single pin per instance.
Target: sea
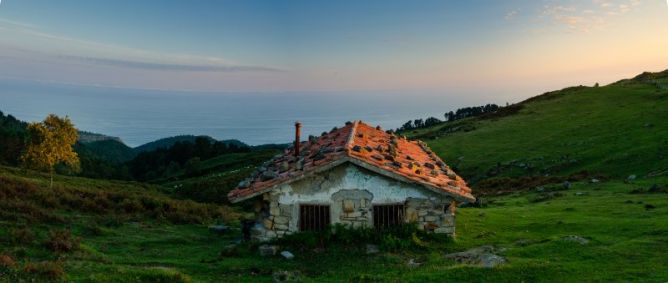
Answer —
(138, 116)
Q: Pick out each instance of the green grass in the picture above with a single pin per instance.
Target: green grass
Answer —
(615, 130)
(628, 243)
(215, 177)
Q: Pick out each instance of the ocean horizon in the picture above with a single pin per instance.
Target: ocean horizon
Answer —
(139, 116)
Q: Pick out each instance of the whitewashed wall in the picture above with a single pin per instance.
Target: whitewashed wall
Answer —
(351, 192)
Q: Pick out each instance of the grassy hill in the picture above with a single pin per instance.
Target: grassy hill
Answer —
(612, 131)
(86, 230)
(212, 179)
(110, 150)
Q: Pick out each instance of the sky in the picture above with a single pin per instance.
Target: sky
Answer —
(510, 49)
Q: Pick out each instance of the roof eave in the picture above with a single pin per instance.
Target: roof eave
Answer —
(291, 180)
(389, 174)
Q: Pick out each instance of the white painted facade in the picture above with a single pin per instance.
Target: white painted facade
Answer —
(351, 191)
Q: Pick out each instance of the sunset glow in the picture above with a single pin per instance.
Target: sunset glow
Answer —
(516, 47)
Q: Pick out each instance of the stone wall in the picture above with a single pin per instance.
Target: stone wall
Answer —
(351, 193)
(354, 207)
(434, 216)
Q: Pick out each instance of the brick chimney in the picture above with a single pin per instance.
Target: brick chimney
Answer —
(298, 127)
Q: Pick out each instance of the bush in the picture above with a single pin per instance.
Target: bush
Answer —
(7, 262)
(22, 236)
(52, 270)
(62, 241)
(390, 239)
(158, 275)
(22, 200)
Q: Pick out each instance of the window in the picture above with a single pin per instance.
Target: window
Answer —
(313, 217)
(388, 215)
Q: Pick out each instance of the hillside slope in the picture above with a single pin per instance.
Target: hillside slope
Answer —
(616, 131)
(168, 142)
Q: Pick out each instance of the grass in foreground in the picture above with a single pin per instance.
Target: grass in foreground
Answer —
(626, 227)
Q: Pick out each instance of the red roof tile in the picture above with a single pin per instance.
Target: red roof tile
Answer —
(366, 146)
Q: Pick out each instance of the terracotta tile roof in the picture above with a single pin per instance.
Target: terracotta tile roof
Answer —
(366, 146)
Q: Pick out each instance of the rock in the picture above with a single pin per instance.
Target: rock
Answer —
(229, 250)
(218, 229)
(430, 218)
(268, 175)
(491, 260)
(523, 242)
(444, 230)
(482, 256)
(281, 220)
(372, 249)
(429, 165)
(357, 148)
(287, 255)
(576, 239)
(244, 184)
(413, 263)
(631, 178)
(285, 166)
(566, 185)
(268, 250)
(286, 276)
(594, 181)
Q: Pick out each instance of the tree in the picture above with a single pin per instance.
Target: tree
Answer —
(49, 144)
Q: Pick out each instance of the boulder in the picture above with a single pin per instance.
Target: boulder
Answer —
(286, 276)
(287, 255)
(413, 263)
(566, 185)
(268, 250)
(482, 256)
(372, 249)
(491, 260)
(576, 239)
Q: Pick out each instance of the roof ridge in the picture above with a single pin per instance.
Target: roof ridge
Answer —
(349, 142)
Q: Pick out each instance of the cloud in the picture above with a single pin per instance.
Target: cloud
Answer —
(587, 16)
(167, 66)
(511, 15)
(30, 39)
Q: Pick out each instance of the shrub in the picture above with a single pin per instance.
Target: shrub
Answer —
(22, 236)
(52, 270)
(391, 239)
(162, 275)
(7, 262)
(62, 241)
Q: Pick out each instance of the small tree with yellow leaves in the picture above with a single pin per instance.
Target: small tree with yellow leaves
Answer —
(49, 144)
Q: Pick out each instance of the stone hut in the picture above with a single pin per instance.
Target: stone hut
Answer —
(357, 175)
